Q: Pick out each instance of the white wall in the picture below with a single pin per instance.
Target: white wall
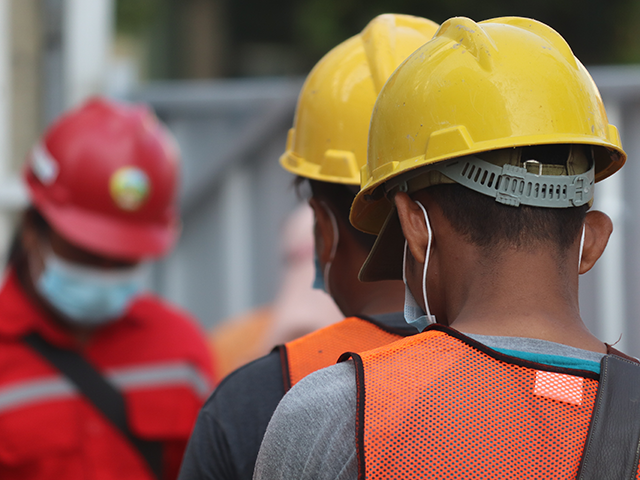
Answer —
(88, 30)
(5, 117)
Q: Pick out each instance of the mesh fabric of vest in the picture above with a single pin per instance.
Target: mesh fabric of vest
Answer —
(441, 405)
(323, 347)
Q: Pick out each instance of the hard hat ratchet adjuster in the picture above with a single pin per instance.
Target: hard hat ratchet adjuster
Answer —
(513, 185)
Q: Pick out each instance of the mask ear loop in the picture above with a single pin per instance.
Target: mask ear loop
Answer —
(430, 317)
(404, 263)
(584, 228)
(334, 246)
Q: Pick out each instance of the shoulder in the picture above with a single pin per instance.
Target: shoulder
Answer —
(312, 432)
(318, 401)
(322, 390)
(158, 317)
(149, 306)
(257, 384)
(230, 427)
(163, 330)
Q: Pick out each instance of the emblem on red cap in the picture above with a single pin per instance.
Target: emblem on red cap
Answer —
(129, 187)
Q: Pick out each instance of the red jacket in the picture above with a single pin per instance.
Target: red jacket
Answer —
(156, 357)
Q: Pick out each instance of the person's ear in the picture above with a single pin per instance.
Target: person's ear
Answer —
(598, 228)
(413, 225)
(323, 230)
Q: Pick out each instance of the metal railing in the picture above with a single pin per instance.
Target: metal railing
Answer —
(610, 294)
(235, 198)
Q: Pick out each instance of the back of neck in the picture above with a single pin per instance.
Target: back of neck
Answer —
(524, 294)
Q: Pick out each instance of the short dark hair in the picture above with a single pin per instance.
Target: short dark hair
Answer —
(16, 252)
(339, 197)
(492, 225)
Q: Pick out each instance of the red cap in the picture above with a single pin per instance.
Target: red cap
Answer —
(105, 176)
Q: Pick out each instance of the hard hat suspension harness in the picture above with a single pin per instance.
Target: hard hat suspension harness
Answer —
(508, 184)
(514, 186)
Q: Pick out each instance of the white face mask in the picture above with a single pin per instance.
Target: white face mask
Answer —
(413, 313)
(88, 296)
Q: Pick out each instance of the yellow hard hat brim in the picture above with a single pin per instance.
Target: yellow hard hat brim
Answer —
(368, 215)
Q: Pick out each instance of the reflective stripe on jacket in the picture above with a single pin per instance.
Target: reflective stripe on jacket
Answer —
(154, 355)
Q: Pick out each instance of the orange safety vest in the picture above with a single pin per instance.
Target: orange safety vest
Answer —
(323, 347)
(442, 405)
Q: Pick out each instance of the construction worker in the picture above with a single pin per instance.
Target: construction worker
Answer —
(325, 148)
(296, 309)
(98, 379)
(483, 151)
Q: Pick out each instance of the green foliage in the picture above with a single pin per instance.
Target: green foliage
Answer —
(599, 32)
(626, 33)
(136, 16)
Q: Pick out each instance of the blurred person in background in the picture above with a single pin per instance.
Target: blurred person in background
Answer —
(98, 379)
(298, 308)
(325, 149)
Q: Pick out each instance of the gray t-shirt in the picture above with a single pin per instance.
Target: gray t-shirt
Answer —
(312, 432)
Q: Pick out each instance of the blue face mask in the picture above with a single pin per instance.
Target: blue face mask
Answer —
(87, 296)
(318, 280)
(321, 280)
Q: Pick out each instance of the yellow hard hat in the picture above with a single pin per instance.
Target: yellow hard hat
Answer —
(479, 87)
(328, 141)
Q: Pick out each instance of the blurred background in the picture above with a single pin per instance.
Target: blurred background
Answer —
(225, 74)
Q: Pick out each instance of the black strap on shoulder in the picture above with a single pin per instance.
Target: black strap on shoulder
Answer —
(391, 322)
(284, 362)
(102, 394)
(612, 451)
